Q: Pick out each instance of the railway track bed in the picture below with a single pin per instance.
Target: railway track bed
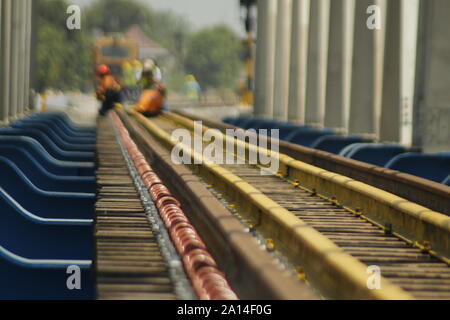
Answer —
(349, 239)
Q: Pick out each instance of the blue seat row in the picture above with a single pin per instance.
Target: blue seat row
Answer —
(47, 198)
(435, 167)
(373, 153)
(302, 135)
(396, 157)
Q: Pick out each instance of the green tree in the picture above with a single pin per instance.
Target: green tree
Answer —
(63, 56)
(213, 57)
(111, 16)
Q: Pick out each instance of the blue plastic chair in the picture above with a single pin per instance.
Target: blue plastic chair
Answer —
(229, 120)
(334, 143)
(65, 125)
(55, 166)
(435, 167)
(447, 181)
(52, 131)
(373, 153)
(241, 120)
(43, 203)
(55, 137)
(49, 145)
(286, 129)
(251, 123)
(35, 237)
(41, 135)
(307, 136)
(346, 150)
(23, 278)
(65, 120)
(43, 179)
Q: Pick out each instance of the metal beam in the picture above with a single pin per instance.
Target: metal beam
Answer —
(282, 58)
(265, 58)
(298, 63)
(339, 67)
(317, 62)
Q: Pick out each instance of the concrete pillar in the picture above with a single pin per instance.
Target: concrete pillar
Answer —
(408, 46)
(432, 97)
(14, 47)
(391, 102)
(339, 66)
(265, 58)
(5, 63)
(317, 62)
(282, 58)
(27, 54)
(367, 70)
(21, 57)
(298, 63)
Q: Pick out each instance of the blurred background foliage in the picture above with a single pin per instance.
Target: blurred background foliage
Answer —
(63, 56)
(212, 55)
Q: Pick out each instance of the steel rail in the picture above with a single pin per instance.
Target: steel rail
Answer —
(334, 272)
(427, 193)
(250, 269)
(428, 229)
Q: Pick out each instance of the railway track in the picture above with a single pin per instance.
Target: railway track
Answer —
(330, 228)
(430, 194)
(146, 247)
(129, 262)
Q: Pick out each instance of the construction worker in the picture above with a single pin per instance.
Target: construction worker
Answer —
(191, 89)
(151, 101)
(129, 80)
(137, 69)
(151, 74)
(108, 90)
(146, 81)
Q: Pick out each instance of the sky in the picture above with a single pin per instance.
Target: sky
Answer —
(201, 13)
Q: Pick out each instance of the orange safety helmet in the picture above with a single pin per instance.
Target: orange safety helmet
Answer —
(103, 69)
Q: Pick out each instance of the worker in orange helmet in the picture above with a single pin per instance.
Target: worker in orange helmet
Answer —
(108, 89)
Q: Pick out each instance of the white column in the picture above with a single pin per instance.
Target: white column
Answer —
(27, 54)
(21, 67)
(265, 58)
(339, 67)
(367, 70)
(317, 62)
(298, 63)
(14, 47)
(391, 105)
(408, 47)
(5, 62)
(432, 102)
(282, 55)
